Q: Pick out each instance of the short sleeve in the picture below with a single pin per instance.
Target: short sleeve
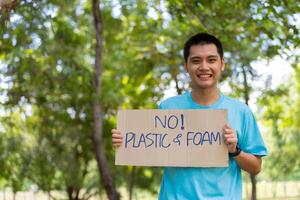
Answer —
(159, 106)
(162, 105)
(252, 141)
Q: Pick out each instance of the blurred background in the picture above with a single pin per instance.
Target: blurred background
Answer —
(66, 67)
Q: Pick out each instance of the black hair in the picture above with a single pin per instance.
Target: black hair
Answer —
(202, 38)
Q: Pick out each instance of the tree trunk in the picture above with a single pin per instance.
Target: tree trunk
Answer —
(6, 6)
(73, 193)
(246, 86)
(253, 183)
(246, 99)
(49, 195)
(178, 89)
(106, 178)
(131, 182)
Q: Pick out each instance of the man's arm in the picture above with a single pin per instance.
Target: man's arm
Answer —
(248, 162)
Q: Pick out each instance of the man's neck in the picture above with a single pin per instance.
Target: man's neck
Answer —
(206, 96)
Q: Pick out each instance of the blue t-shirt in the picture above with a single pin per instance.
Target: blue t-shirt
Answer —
(189, 183)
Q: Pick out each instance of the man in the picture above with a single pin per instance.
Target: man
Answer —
(203, 54)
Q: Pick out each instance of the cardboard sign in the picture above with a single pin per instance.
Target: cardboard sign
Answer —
(185, 138)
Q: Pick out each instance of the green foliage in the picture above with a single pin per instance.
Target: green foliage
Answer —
(46, 73)
(48, 68)
(281, 117)
(17, 142)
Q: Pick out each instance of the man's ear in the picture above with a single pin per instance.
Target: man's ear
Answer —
(222, 64)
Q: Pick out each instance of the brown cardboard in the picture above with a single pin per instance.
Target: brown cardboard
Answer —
(140, 127)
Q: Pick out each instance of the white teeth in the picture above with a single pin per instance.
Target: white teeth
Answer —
(204, 75)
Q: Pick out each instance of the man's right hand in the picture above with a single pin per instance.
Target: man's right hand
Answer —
(117, 138)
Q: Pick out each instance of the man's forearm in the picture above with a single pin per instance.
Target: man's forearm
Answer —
(248, 162)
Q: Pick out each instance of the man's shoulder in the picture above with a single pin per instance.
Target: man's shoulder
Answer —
(236, 104)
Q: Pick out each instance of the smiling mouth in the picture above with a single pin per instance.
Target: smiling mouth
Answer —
(204, 75)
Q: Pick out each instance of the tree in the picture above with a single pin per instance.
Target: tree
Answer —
(15, 145)
(106, 177)
(45, 63)
(39, 56)
(281, 117)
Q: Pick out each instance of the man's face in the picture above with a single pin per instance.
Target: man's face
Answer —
(204, 66)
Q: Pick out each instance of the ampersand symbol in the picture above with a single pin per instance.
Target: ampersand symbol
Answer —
(177, 139)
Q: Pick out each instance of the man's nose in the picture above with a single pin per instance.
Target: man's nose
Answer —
(203, 65)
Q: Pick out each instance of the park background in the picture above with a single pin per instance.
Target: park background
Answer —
(66, 67)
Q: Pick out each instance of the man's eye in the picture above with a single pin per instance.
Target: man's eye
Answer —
(195, 61)
(212, 60)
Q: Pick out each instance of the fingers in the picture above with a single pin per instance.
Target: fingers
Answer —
(227, 126)
(230, 138)
(115, 131)
(116, 134)
(117, 138)
(227, 129)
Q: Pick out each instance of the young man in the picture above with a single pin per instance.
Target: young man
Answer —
(203, 54)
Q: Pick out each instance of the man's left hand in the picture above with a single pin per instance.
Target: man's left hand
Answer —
(230, 138)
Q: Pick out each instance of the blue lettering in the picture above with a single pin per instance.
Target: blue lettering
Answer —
(155, 135)
(188, 138)
(200, 138)
(142, 140)
(127, 140)
(149, 138)
(155, 140)
(218, 136)
(162, 124)
(206, 139)
(135, 143)
(176, 122)
(182, 121)
(177, 139)
(162, 141)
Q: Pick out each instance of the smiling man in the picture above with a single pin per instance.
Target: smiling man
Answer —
(204, 62)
